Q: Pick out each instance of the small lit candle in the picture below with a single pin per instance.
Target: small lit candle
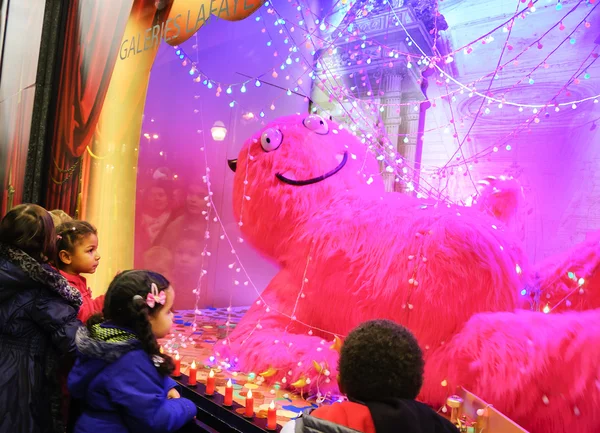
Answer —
(177, 370)
(272, 417)
(192, 374)
(455, 402)
(228, 394)
(210, 383)
(249, 405)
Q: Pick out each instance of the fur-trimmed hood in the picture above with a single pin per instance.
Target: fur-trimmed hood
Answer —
(98, 349)
(107, 347)
(20, 268)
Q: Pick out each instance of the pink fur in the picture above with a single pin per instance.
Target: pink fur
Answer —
(562, 293)
(540, 369)
(501, 197)
(358, 253)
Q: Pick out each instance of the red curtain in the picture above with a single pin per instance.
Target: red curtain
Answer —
(94, 32)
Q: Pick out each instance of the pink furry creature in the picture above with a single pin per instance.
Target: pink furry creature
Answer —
(307, 195)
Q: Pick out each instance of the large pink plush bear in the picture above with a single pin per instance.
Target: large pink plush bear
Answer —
(309, 196)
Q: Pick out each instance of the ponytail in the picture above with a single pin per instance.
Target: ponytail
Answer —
(143, 329)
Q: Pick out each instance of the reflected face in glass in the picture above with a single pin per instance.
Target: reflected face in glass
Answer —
(188, 256)
(158, 199)
(194, 200)
(158, 259)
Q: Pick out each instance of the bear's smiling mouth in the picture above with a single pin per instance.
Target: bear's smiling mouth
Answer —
(295, 182)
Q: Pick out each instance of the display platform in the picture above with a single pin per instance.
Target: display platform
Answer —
(196, 344)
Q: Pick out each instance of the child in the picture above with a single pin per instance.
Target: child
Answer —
(191, 224)
(381, 372)
(156, 212)
(121, 377)
(38, 322)
(77, 247)
(159, 260)
(59, 216)
(187, 260)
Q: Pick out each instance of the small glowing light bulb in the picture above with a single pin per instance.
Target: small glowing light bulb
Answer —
(546, 309)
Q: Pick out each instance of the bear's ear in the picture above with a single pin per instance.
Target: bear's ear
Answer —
(232, 163)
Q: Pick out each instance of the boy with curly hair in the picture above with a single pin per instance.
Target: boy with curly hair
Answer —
(381, 372)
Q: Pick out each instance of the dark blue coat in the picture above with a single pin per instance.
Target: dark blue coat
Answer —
(38, 322)
(121, 391)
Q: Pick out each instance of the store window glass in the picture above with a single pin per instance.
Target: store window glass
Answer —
(469, 192)
(18, 78)
(141, 152)
(141, 148)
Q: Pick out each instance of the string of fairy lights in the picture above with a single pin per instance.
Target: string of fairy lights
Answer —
(200, 76)
(208, 82)
(296, 66)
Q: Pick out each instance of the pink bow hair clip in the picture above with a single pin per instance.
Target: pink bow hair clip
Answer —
(154, 297)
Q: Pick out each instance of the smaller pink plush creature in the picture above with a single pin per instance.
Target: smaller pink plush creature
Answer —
(569, 281)
(500, 197)
(307, 194)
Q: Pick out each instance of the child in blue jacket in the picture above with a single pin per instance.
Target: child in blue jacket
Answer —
(120, 377)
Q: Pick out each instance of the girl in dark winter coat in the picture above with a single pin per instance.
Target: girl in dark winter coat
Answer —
(38, 322)
(120, 377)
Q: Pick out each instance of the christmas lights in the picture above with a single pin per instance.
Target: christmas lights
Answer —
(364, 115)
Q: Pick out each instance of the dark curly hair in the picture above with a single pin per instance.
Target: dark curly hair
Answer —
(381, 360)
(68, 234)
(123, 308)
(30, 228)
